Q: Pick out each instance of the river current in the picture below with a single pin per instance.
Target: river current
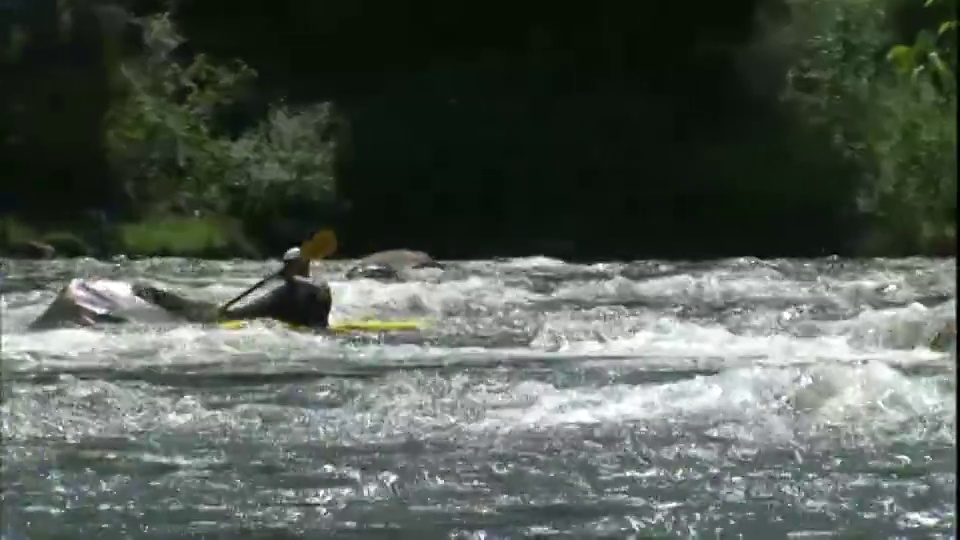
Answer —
(739, 398)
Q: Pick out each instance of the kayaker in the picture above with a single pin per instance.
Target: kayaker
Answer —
(297, 300)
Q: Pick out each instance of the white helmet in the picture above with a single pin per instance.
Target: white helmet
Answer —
(292, 254)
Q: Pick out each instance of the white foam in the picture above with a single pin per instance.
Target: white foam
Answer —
(775, 386)
(751, 404)
(357, 298)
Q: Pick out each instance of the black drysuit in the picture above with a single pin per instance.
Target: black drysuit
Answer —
(298, 302)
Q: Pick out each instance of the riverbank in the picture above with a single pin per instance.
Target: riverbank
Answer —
(221, 238)
(831, 131)
(202, 237)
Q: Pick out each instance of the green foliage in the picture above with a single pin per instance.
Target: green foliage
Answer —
(284, 161)
(183, 237)
(933, 51)
(896, 120)
(158, 134)
(884, 96)
(164, 143)
(14, 234)
(13, 231)
(920, 128)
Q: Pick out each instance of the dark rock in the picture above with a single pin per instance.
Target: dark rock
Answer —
(67, 245)
(387, 265)
(30, 250)
(945, 338)
(373, 271)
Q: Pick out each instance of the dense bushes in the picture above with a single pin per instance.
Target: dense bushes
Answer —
(105, 132)
(891, 108)
(165, 142)
(834, 131)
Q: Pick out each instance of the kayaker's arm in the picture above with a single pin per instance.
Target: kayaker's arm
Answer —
(299, 302)
(263, 307)
(191, 310)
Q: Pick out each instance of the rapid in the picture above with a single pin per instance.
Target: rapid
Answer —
(737, 398)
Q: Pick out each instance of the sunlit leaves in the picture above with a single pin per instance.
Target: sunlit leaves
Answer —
(896, 119)
(925, 57)
(161, 137)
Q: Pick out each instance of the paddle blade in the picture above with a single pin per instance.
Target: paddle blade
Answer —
(323, 244)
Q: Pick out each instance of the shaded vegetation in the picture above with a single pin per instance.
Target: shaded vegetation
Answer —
(891, 109)
(219, 128)
(185, 237)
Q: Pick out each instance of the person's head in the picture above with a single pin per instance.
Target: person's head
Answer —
(294, 264)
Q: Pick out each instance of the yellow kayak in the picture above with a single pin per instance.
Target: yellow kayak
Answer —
(369, 325)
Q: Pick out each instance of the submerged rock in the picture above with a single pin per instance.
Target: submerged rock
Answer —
(945, 338)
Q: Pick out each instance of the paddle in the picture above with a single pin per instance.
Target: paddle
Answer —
(320, 245)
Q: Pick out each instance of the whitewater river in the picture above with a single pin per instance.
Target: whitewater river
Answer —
(728, 399)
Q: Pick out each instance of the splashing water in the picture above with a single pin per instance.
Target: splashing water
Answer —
(761, 398)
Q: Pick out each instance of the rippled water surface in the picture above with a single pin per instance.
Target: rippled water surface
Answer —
(768, 399)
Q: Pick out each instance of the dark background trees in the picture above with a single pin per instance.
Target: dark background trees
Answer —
(472, 129)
